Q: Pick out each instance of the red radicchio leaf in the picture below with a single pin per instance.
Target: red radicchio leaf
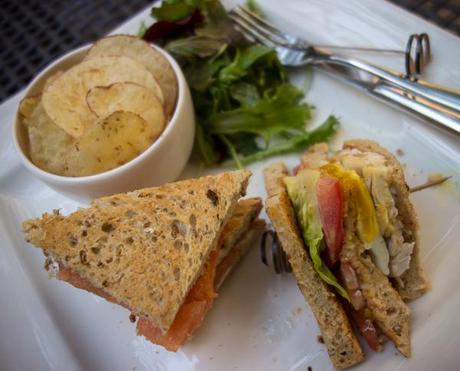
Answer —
(164, 29)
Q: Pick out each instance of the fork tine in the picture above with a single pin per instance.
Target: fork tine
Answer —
(250, 32)
(247, 20)
(263, 24)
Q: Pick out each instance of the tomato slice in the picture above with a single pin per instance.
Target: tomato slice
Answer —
(188, 319)
(330, 203)
(191, 313)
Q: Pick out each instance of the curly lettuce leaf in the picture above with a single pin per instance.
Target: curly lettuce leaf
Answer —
(244, 59)
(296, 143)
(195, 46)
(269, 116)
(240, 91)
(175, 10)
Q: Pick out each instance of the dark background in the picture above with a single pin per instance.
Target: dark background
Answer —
(34, 32)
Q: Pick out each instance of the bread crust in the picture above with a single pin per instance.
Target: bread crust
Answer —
(386, 307)
(238, 250)
(413, 283)
(145, 248)
(244, 214)
(341, 342)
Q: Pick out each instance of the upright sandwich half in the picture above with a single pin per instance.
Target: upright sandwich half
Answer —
(349, 230)
(160, 252)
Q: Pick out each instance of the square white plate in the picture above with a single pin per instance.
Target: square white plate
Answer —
(260, 321)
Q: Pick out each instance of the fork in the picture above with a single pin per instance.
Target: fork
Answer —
(440, 106)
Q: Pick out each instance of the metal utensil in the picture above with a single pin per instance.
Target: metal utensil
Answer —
(440, 106)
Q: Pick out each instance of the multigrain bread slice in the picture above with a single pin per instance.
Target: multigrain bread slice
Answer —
(385, 305)
(341, 342)
(245, 213)
(413, 283)
(238, 250)
(145, 249)
(238, 238)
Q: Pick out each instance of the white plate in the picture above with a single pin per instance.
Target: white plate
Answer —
(260, 321)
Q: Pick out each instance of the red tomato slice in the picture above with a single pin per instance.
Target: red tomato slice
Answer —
(188, 319)
(191, 313)
(330, 203)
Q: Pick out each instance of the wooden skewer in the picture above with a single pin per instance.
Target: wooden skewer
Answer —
(429, 183)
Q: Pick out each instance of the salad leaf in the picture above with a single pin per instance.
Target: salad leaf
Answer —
(296, 143)
(269, 116)
(172, 11)
(246, 94)
(240, 65)
(195, 46)
(240, 91)
(302, 193)
(142, 30)
(254, 7)
(205, 145)
(165, 30)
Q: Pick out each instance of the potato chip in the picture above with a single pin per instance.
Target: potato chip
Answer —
(65, 98)
(131, 97)
(49, 145)
(139, 50)
(26, 108)
(51, 79)
(113, 141)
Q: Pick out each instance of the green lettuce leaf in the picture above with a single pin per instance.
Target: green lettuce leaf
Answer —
(172, 11)
(296, 143)
(246, 94)
(269, 116)
(245, 107)
(254, 7)
(302, 193)
(243, 60)
(200, 46)
(205, 145)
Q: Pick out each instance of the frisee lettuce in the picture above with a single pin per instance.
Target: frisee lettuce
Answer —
(240, 90)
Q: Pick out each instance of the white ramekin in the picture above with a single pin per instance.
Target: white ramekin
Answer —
(161, 163)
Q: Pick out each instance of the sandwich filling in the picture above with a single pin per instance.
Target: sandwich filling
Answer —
(356, 187)
(393, 257)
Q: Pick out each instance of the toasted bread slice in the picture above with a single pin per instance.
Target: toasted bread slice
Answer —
(237, 251)
(245, 212)
(316, 156)
(200, 298)
(386, 306)
(413, 283)
(273, 176)
(341, 342)
(145, 249)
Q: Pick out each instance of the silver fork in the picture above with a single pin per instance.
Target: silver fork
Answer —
(438, 105)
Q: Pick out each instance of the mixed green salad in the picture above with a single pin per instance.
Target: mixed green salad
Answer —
(246, 108)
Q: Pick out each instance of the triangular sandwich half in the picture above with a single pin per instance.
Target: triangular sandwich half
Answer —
(148, 250)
